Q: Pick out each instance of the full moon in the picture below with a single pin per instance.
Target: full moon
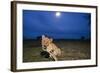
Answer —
(58, 14)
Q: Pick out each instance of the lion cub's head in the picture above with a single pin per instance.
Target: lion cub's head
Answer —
(46, 41)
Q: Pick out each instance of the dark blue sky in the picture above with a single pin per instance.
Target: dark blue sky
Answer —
(69, 25)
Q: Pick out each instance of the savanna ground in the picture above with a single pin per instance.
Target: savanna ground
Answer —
(72, 50)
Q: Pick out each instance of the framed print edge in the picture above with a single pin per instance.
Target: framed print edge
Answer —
(14, 35)
(96, 36)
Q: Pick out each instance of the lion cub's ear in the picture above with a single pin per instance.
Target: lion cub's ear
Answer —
(51, 40)
(43, 36)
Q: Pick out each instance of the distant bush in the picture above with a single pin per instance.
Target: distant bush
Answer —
(39, 38)
(82, 38)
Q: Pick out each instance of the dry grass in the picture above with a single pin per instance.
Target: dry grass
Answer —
(72, 50)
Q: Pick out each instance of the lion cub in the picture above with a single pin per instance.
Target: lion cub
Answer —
(50, 47)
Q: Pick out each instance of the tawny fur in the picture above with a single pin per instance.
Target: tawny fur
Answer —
(50, 47)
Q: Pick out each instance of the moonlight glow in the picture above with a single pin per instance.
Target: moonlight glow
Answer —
(58, 14)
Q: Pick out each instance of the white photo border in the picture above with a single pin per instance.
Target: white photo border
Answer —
(40, 65)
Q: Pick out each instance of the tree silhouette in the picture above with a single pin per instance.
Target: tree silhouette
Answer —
(39, 38)
(82, 37)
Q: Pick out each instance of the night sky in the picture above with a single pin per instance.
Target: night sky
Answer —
(58, 25)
